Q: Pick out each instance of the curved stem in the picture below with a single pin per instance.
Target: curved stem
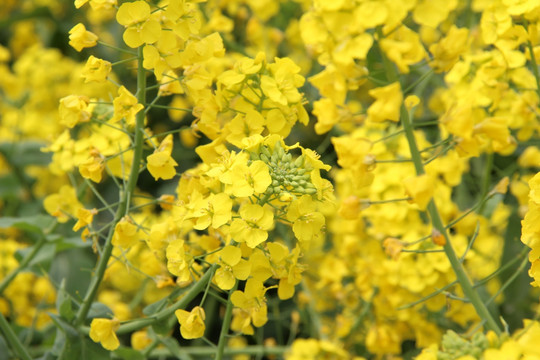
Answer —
(163, 314)
(207, 352)
(225, 326)
(12, 338)
(125, 197)
(9, 278)
(437, 223)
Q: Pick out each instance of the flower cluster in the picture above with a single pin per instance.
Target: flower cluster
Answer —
(325, 178)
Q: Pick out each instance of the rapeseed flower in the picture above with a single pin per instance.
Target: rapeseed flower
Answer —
(103, 331)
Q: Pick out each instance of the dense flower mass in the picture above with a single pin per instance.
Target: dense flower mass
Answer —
(312, 179)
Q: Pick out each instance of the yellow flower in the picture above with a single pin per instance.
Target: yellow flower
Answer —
(103, 331)
(307, 221)
(420, 188)
(160, 164)
(404, 48)
(125, 234)
(92, 168)
(252, 302)
(96, 70)
(141, 29)
(447, 51)
(213, 210)
(191, 323)
(62, 204)
(247, 180)
(232, 267)
(140, 340)
(125, 106)
(177, 260)
(282, 86)
(253, 226)
(432, 12)
(84, 218)
(80, 38)
(73, 110)
(387, 104)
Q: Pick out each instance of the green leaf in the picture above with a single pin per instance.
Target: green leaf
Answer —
(73, 242)
(9, 186)
(34, 223)
(162, 327)
(99, 310)
(92, 351)
(4, 350)
(41, 261)
(63, 325)
(63, 303)
(24, 153)
(129, 354)
(70, 344)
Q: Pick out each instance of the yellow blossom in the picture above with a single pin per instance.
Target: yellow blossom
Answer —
(140, 27)
(126, 234)
(307, 221)
(232, 267)
(103, 331)
(63, 204)
(160, 164)
(73, 110)
(80, 38)
(84, 218)
(140, 340)
(253, 226)
(191, 323)
(96, 70)
(92, 168)
(252, 301)
(177, 260)
(420, 189)
(126, 106)
(387, 103)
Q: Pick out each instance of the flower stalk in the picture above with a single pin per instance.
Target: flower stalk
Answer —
(126, 194)
(437, 223)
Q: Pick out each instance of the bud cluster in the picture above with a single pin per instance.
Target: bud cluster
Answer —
(455, 346)
(289, 176)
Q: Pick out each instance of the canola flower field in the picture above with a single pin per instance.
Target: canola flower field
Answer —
(270, 179)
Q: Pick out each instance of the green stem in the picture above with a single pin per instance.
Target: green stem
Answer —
(225, 326)
(12, 338)
(488, 167)
(534, 66)
(125, 197)
(437, 223)
(163, 314)
(207, 352)
(9, 278)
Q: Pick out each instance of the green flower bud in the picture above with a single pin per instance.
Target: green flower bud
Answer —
(299, 162)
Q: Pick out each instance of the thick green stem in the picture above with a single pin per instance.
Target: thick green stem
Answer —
(225, 326)
(9, 278)
(13, 340)
(437, 223)
(125, 198)
(534, 66)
